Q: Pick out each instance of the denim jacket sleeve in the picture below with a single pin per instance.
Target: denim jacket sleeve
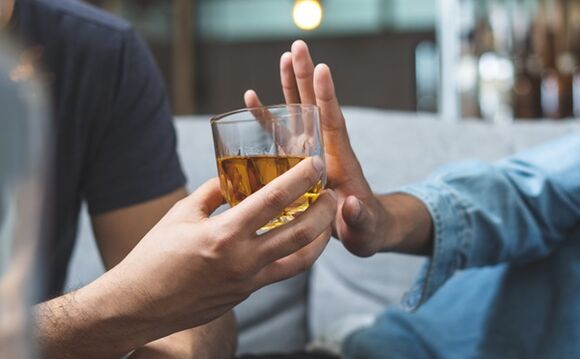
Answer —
(514, 211)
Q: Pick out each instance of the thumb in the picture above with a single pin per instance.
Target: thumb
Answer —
(354, 226)
(203, 202)
(355, 213)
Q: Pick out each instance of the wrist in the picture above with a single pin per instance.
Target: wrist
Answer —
(409, 227)
(174, 346)
(217, 339)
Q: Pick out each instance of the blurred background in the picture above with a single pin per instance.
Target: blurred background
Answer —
(503, 59)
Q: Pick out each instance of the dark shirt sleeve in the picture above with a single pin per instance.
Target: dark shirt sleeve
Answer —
(134, 158)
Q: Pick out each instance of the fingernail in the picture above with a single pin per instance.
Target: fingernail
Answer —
(318, 164)
(357, 210)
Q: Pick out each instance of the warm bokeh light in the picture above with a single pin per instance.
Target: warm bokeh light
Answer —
(307, 14)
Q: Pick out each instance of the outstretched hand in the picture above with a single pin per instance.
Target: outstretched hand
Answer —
(361, 222)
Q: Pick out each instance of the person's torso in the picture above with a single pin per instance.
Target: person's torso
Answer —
(74, 48)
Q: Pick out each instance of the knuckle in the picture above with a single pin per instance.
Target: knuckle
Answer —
(302, 264)
(222, 240)
(278, 197)
(325, 208)
(303, 73)
(327, 233)
(230, 225)
(311, 175)
(238, 272)
(220, 243)
(301, 234)
(330, 204)
(179, 205)
(265, 255)
(219, 247)
(333, 200)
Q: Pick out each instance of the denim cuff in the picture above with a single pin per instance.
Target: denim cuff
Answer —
(451, 242)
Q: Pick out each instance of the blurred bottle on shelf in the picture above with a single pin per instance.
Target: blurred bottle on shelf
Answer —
(467, 80)
(526, 91)
(558, 62)
(518, 59)
(495, 66)
(574, 39)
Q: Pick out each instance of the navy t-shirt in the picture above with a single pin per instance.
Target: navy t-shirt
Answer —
(115, 140)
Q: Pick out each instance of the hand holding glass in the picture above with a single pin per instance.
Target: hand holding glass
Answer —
(253, 146)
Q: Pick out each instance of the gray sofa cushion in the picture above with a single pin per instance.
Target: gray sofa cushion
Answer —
(397, 149)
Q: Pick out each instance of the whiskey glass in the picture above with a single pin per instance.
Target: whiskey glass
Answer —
(255, 145)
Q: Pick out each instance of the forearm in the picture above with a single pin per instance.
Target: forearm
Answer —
(517, 210)
(92, 322)
(215, 340)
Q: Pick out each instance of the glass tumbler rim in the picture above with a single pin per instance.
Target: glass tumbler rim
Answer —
(223, 118)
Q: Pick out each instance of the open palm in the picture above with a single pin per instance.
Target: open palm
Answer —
(361, 221)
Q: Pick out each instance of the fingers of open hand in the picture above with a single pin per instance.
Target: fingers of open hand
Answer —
(263, 115)
(266, 119)
(332, 119)
(304, 72)
(289, 238)
(288, 79)
(267, 203)
(251, 99)
(295, 263)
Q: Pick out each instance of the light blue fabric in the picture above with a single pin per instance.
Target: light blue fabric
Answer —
(504, 278)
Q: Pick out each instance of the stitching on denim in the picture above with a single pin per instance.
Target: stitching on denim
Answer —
(430, 280)
(431, 283)
(439, 230)
(418, 292)
(464, 231)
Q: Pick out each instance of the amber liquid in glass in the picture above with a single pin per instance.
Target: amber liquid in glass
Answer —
(240, 176)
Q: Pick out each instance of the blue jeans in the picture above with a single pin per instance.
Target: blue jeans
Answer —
(504, 277)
